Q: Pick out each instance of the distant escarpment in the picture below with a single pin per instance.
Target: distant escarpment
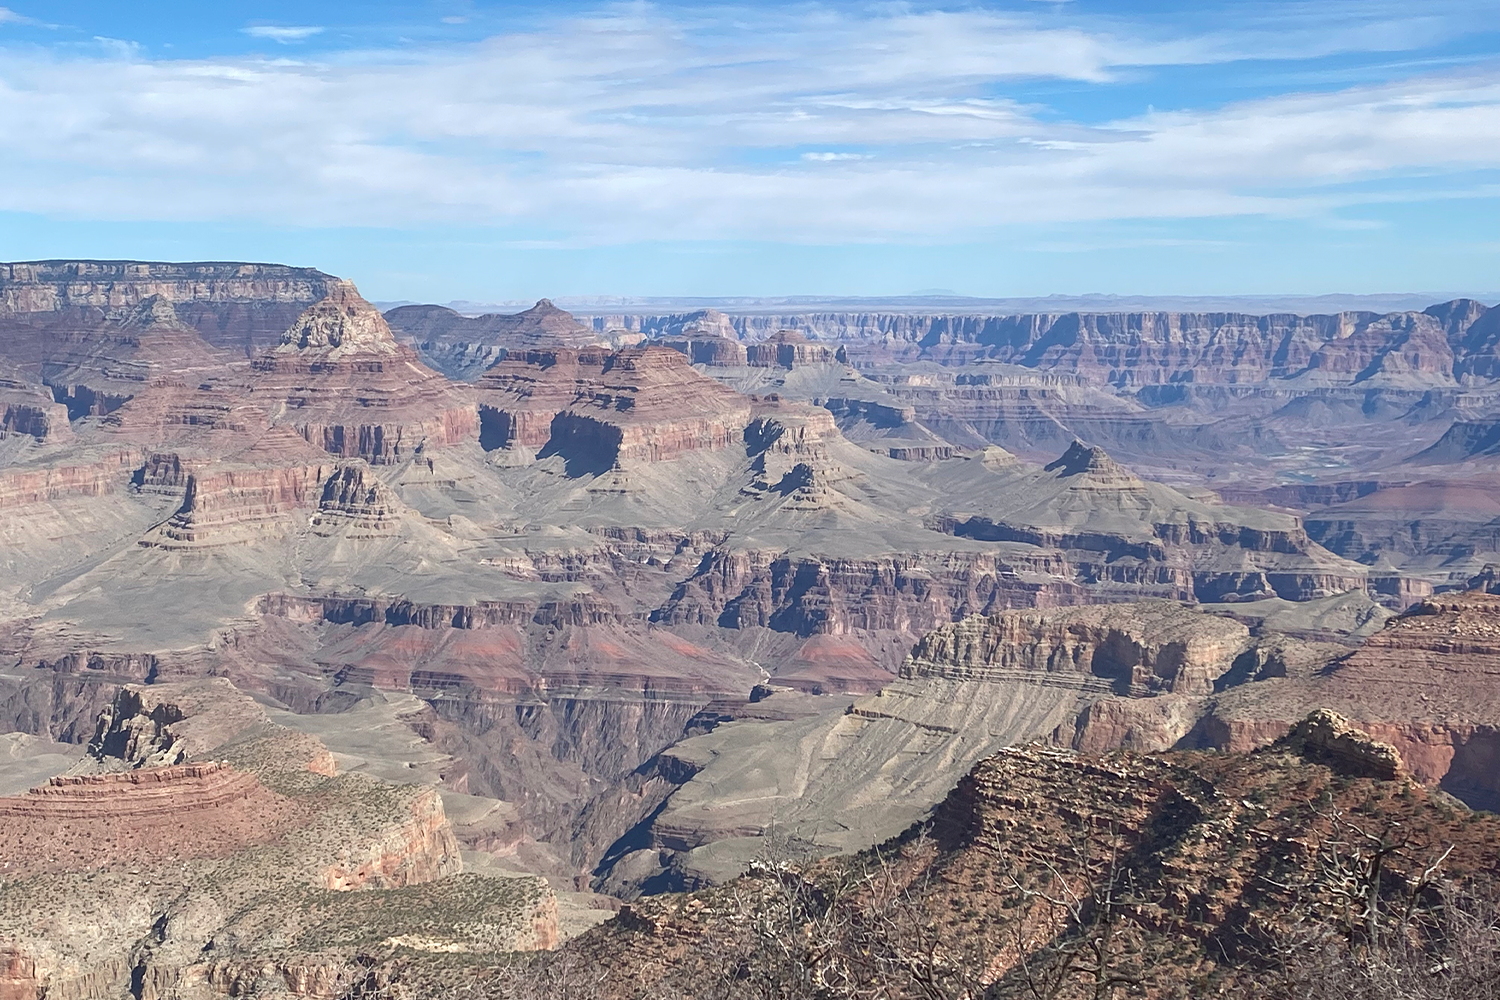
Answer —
(240, 307)
(599, 408)
(462, 347)
(1454, 341)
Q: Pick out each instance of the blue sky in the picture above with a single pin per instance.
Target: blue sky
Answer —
(480, 151)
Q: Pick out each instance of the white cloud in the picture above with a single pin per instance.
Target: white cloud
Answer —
(283, 35)
(627, 125)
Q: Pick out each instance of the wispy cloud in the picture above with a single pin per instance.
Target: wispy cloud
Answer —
(634, 123)
(282, 34)
(8, 16)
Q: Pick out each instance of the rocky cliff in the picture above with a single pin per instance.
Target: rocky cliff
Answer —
(1445, 342)
(600, 408)
(462, 347)
(340, 378)
(197, 879)
(1171, 871)
(789, 349)
(240, 307)
(1137, 649)
(706, 349)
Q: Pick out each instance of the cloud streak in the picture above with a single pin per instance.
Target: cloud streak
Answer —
(632, 123)
(283, 35)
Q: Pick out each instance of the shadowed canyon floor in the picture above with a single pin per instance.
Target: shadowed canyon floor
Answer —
(618, 610)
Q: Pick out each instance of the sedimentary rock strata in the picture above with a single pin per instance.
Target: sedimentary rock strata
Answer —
(602, 408)
(242, 307)
(619, 612)
(789, 349)
(1134, 649)
(343, 382)
(462, 347)
(171, 875)
(1222, 852)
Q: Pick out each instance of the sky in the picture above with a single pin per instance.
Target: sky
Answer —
(455, 149)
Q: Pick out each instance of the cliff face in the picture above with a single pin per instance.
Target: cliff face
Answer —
(340, 378)
(240, 307)
(462, 347)
(601, 408)
(198, 879)
(1138, 649)
(27, 408)
(1446, 342)
(789, 349)
(705, 349)
(237, 505)
(909, 592)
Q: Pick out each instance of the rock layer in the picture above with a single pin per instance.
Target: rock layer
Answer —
(601, 408)
(343, 382)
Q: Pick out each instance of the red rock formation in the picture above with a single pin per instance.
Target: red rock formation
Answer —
(108, 474)
(236, 503)
(637, 404)
(706, 349)
(243, 307)
(343, 382)
(90, 821)
(789, 349)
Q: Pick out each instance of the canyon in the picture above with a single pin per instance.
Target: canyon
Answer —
(528, 615)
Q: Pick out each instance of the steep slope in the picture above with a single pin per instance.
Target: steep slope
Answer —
(238, 307)
(168, 874)
(1044, 871)
(341, 379)
(462, 347)
(846, 780)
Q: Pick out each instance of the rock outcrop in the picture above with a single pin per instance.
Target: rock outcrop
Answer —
(1328, 738)
(1215, 853)
(240, 307)
(28, 409)
(706, 349)
(600, 408)
(462, 347)
(195, 879)
(789, 349)
(1137, 649)
(343, 382)
(240, 500)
